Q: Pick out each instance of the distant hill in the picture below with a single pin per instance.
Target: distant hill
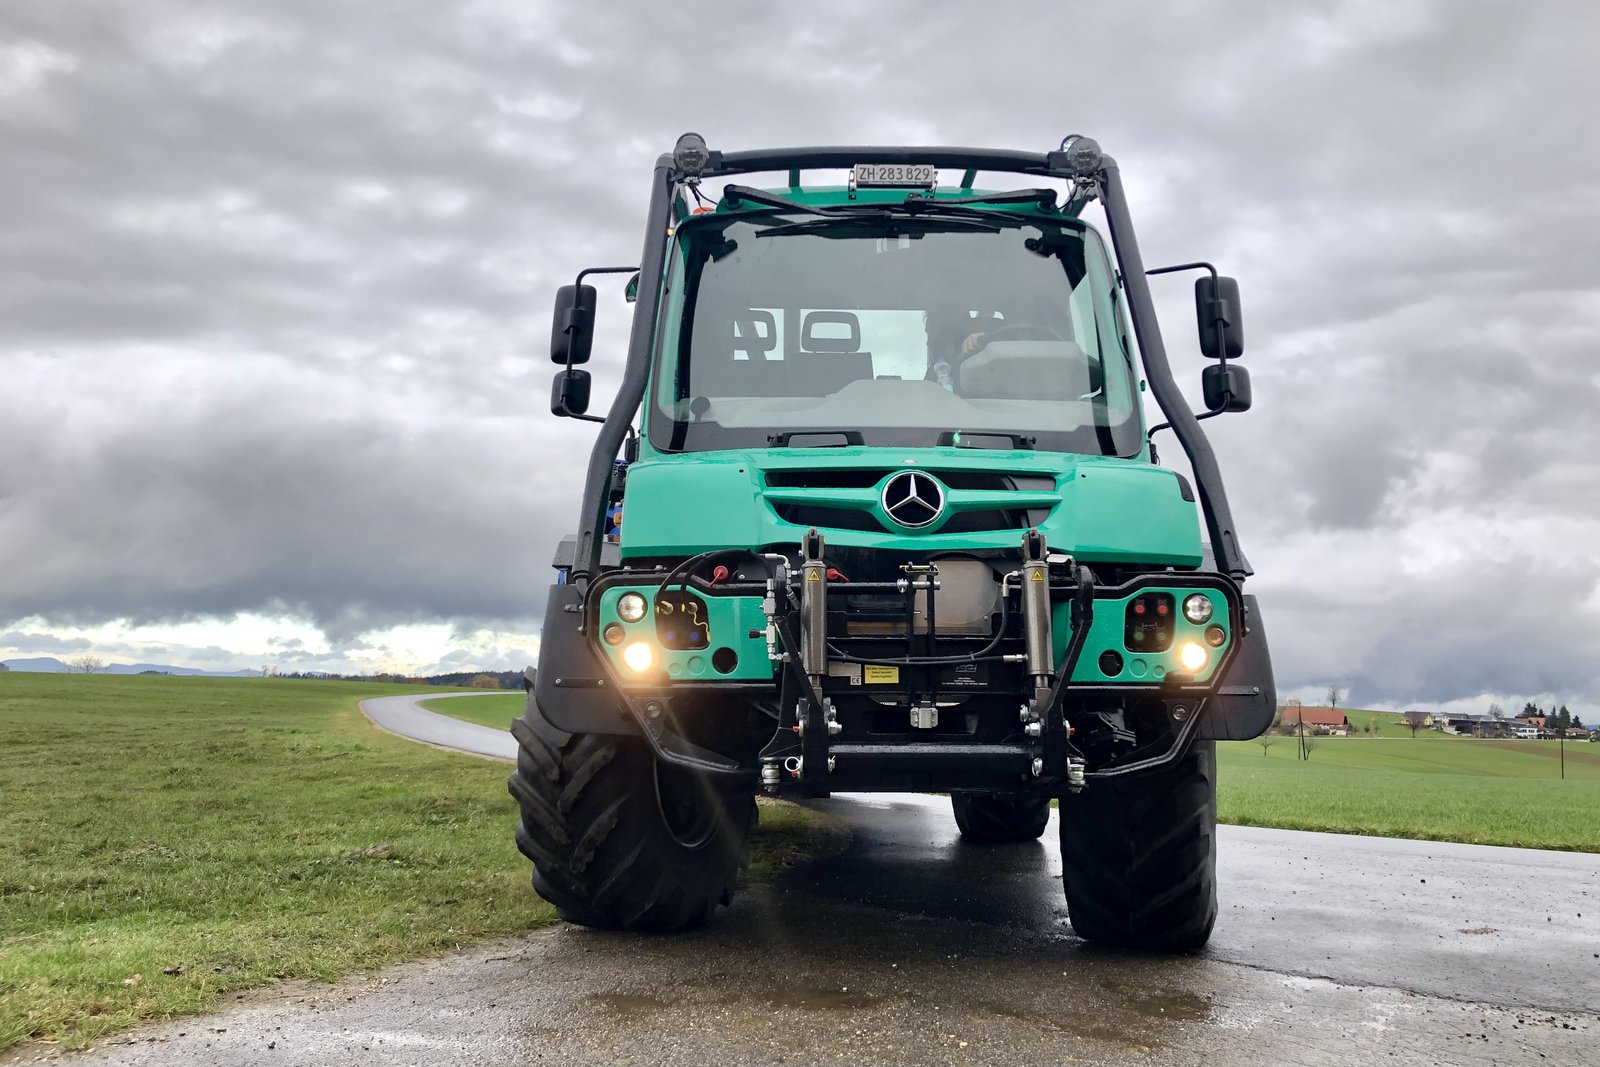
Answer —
(51, 665)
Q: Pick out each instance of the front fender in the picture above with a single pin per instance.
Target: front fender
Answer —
(1246, 698)
(571, 685)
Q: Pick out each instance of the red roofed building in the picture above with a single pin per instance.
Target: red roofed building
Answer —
(1322, 720)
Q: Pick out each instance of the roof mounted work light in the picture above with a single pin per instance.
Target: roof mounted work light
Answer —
(691, 156)
(1083, 155)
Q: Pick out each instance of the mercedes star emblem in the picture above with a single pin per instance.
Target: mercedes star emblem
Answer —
(913, 499)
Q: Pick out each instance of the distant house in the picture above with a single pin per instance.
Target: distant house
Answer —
(1481, 726)
(1320, 720)
(1527, 731)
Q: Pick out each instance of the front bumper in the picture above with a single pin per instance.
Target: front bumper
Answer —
(834, 721)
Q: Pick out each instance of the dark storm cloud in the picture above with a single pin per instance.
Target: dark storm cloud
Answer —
(277, 277)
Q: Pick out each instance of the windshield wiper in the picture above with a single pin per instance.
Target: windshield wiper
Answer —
(735, 194)
(882, 221)
(911, 205)
(1042, 197)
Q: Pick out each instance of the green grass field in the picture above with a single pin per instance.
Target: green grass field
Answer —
(169, 840)
(1434, 787)
(497, 710)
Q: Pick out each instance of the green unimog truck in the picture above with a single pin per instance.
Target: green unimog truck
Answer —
(876, 508)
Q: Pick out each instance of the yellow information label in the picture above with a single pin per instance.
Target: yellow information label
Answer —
(878, 674)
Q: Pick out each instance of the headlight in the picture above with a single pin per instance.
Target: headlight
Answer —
(1197, 608)
(1192, 656)
(631, 607)
(690, 155)
(638, 656)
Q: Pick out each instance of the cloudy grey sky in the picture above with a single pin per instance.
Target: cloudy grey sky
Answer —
(275, 286)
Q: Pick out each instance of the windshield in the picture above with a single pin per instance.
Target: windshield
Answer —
(892, 331)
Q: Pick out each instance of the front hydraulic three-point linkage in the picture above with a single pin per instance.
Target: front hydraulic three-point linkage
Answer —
(804, 746)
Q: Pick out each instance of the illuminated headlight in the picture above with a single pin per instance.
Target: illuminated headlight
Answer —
(1197, 608)
(1192, 655)
(639, 656)
(631, 607)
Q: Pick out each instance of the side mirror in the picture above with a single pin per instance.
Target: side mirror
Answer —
(1226, 387)
(631, 293)
(572, 331)
(569, 393)
(1216, 302)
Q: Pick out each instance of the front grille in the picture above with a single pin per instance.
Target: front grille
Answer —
(866, 478)
(828, 518)
(857, 513)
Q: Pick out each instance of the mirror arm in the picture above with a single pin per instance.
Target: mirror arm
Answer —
(1216, 320)
(572, 319)
(1222, 345)
(1209, 413)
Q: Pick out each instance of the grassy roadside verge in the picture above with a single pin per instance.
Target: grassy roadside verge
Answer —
(1472, 791)
(167, 841)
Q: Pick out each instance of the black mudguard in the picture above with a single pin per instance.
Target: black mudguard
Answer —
(571, 687)
(1247, 699)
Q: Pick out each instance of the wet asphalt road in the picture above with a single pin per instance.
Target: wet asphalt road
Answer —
(912, 947)
(402, 715)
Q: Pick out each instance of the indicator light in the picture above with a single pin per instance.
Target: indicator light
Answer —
(1197, 608)
(631, 607)
(613, 634)
(1215, 636)
(1192, 656)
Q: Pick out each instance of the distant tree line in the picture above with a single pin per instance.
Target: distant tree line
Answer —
(464, 679)
(1557, 720)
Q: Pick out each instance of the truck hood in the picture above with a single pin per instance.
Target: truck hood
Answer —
(1097, 508)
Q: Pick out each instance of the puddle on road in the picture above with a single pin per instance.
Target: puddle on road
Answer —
(1156, 1002)
(627, 1005)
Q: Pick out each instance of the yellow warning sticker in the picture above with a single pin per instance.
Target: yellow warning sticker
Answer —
(814, 576)
(1038, 576)
(878, 674)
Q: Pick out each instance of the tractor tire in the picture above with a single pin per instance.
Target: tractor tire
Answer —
(618, 839)
(987, 817)
(1139, 856)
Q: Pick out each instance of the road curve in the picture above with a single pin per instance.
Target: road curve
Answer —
(405, 716)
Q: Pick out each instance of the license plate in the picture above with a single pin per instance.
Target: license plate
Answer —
(903, 175)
